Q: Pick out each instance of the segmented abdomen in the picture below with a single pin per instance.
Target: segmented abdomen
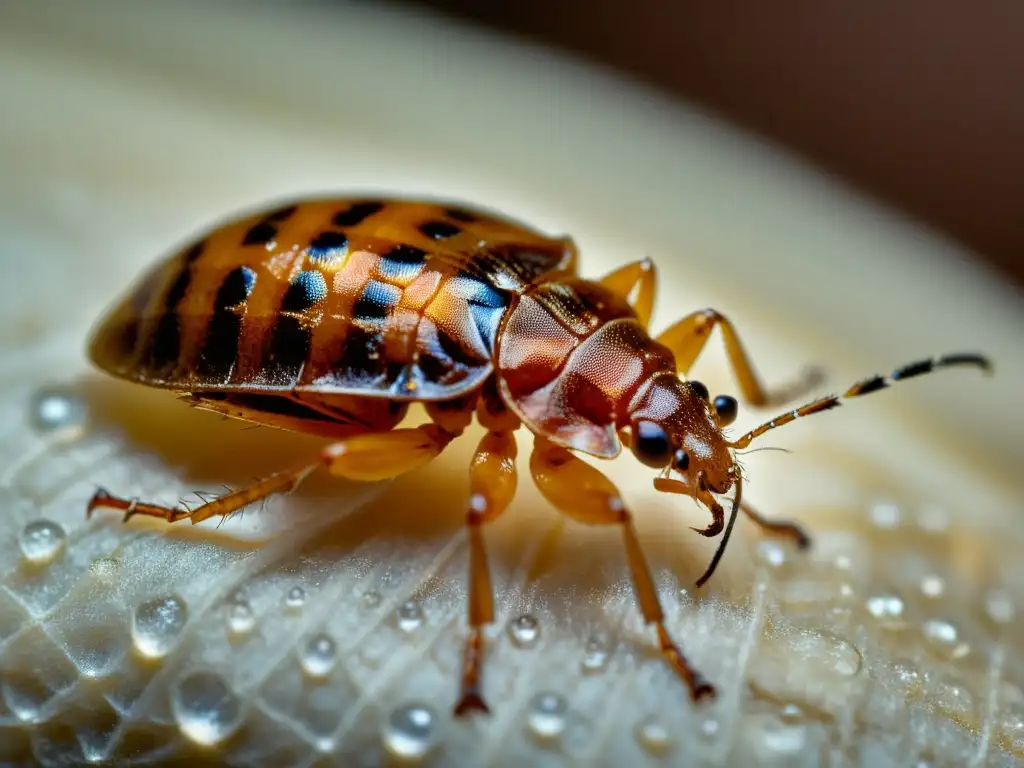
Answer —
(387, 298)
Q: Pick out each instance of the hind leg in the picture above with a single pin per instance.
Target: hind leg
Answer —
(364, 457)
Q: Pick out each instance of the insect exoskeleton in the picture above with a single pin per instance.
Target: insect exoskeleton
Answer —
(331, 316)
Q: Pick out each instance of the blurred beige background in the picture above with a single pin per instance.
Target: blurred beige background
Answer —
(912, 100)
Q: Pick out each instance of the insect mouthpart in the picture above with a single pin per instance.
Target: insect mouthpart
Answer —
(727, 533)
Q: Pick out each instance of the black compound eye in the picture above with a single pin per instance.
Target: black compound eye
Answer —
(727, 409)
(681, 460)
(651, 445)
(699, 389)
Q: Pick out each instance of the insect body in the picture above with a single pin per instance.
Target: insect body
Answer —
(331, 316)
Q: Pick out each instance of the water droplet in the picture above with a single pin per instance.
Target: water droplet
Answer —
(524, 630)
(410, 731)
(241, 619)
(709, 728)
(41, 541)
(547, 714)
(652, 735)
(932, 585)
(157, 624)
(886, 608)
(206, 708)
(410, 616)
(885, 515)
(944, 638)
(319, 655)
(595, 654)
(772, 553)
(371, 599)
(770, 738)
(295, 599)
(55, 410)
(999, 606)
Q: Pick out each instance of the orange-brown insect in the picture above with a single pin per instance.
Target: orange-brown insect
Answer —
(331, 316)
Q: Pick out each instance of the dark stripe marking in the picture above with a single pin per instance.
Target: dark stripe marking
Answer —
(282, 214)
(402, 263)
(195, 252)
(377, 301)
(406, 254)
(439, 230)
(913, 369)
(128, 337)
(289, 349)
(359, 359)
(460, 214)
(966, 358)
(220, 349)
(177, 290)
(328, 248)
(236, 288)
(261, 233)
(867, 386)
(357, 213)
(306, 291)
(165, 345)
(455, 351)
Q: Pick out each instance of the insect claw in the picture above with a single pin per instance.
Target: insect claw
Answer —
(471, 703)
(711, 531)
(702, 689)
(102, 495)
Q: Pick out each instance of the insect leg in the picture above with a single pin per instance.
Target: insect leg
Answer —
(580, 491)
(280, 482)
(771, 527)
(492, 480)
(635, 282)
(385, 455)
(366, 457)
(687, 339)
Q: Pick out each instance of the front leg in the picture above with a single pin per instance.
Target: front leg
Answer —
(784, 528)
(580, 491)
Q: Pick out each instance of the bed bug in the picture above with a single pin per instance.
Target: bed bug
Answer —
(332, 316)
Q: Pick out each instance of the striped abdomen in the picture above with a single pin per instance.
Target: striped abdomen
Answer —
(386, 298)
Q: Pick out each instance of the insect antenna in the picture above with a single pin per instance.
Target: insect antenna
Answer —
(725, 534)
(866, 387)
